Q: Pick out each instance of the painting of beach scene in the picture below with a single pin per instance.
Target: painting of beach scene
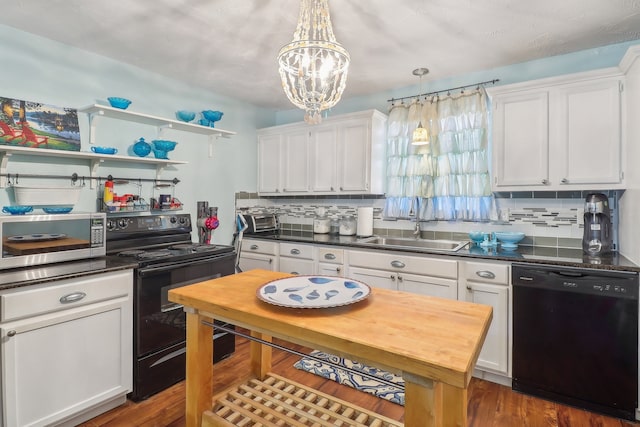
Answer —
(38, 126)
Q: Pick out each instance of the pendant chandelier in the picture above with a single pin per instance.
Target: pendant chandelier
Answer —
(313, 67)
(420, 134)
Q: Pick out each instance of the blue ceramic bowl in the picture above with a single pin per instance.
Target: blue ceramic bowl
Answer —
(185, 116)
(163, 145)
(160, 154)
(58, 209)
(116, 102)
(17, 210)
(477, 236)
(204, 122)
(212, 116)
(104, 150)
(509, 239)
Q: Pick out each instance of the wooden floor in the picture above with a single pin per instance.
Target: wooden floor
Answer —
(489, 404)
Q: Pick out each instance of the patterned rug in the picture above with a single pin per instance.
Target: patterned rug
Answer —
(367, 384)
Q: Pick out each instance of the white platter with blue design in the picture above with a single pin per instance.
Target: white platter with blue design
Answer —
(313, 292)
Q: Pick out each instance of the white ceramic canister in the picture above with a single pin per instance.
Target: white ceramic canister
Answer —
(321, 224)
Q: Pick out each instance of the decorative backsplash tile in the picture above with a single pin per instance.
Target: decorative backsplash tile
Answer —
(550, 219)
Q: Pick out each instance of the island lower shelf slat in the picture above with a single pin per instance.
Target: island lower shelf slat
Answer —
(277, 401)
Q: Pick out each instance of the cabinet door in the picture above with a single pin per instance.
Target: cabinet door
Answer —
(521, 139)
(295, 163)
(269, 164)
(249, 261)
(329, 269)
(323, 145)
(374, 278)
(587, 133)
(59, 364)
(431, 286)
(354, 156)
(495, 351)
(297, 266)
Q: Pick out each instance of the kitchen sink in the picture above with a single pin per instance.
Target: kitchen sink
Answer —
(408, 243)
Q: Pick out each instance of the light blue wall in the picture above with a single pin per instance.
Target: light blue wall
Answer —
(585, 60)
(37, 69)
(41, 70)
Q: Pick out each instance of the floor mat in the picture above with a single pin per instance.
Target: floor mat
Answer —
(367, 384)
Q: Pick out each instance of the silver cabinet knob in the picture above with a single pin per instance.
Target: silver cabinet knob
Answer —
(11, 333)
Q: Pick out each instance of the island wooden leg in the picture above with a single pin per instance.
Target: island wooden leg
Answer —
(433, 404)
(199, 381)
(260, 356)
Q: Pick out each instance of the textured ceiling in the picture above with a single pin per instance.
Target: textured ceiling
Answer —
(230, 46)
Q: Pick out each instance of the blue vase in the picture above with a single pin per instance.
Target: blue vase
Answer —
(142, 148)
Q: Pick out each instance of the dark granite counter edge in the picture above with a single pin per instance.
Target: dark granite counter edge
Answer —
(27, 276)
(525, 254)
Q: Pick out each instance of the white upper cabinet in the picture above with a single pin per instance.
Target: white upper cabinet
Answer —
(559, 133)
(342, 155)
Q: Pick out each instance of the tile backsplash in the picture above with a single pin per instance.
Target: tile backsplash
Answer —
(553, 219)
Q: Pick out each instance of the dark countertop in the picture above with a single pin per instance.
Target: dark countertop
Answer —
(26, 276)
(525, 254)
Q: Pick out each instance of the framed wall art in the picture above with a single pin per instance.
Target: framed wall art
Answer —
(38, 126)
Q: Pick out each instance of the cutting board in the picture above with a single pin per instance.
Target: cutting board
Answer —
(29, 248)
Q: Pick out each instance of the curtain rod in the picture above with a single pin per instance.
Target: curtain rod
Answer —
(494, 81)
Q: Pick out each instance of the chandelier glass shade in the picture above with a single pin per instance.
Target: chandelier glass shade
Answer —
(314, 66)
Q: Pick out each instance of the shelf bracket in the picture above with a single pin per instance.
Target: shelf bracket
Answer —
(93, 172)
(159, 170)
(3, 169)
(92, 125)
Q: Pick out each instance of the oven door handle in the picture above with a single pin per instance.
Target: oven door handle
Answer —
(147, 271)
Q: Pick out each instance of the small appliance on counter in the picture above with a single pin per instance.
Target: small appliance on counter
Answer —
(261, 223)
(598, 237)
(28, 240)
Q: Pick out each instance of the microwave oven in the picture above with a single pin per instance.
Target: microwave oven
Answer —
(29, 240)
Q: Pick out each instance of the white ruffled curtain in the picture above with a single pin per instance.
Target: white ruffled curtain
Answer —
(447, 179)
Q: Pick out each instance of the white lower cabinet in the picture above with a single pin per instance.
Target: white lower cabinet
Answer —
(419, 274)
(258, 254)
(488, 283)
(66, 349)
(296, 258)
(330, 261)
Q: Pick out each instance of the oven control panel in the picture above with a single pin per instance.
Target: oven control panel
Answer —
(132, 224)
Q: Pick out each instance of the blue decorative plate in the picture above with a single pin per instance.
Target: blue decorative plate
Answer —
(17, 210)
(58, 210)
(313, 292)
(104, 150)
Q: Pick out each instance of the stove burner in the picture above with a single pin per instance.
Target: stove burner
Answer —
(132, 252)
(192, 247)
(154, 254)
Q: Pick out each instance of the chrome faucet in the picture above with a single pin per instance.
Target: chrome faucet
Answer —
(417, 230)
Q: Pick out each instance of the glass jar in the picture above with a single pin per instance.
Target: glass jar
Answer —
(321, 224)
(334, 228)
(347, 225)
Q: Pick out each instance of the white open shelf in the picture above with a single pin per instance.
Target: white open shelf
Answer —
(95, 111)
(6, 151)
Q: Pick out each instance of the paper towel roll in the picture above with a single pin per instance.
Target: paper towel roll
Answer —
(364, 226)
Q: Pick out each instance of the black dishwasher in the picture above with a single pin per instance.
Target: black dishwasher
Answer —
(575, 337)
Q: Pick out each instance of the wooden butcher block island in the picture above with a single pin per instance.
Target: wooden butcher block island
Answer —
(433, 343)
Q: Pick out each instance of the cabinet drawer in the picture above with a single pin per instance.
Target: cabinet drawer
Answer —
(487, 272)
(296, 250)
(260, 247)
(395, 261)
(331, 255)
(48, 297)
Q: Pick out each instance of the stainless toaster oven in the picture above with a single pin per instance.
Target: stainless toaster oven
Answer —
(34, 239)
(261, 223)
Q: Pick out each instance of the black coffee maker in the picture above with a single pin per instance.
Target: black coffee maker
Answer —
(597, 239)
